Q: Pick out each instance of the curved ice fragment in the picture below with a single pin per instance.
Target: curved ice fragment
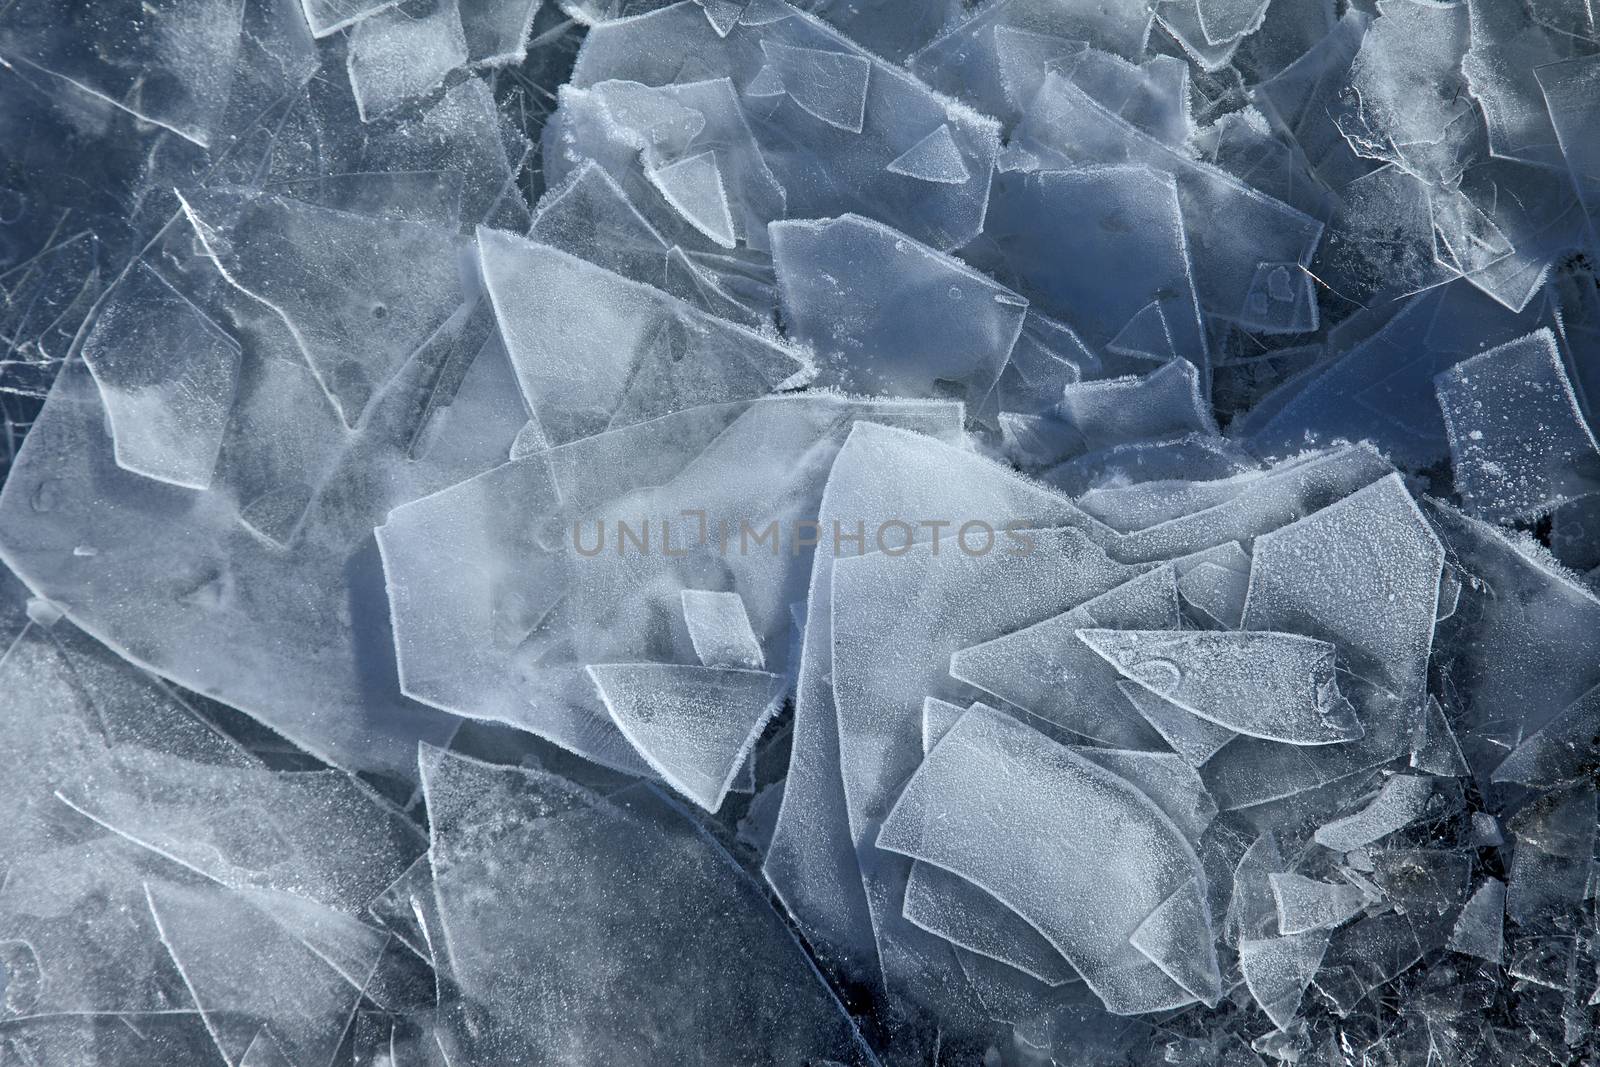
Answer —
(945, 904)
(1278, 969)
(1400, 802)
(1271, 685)
(1009, 810)
(693, 725)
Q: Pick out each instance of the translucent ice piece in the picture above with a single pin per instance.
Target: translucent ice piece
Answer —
(828, 85)
(1434, 748)
(641, 354)
(694, 955)
(170, 63)
(1524, 638)
(1363, 574)
(812, 864)
(886, 315)
(1400, 802)
(937, 718)
(827, 167)
(1272, 685)
(1550, 868)
(1252, 909)
(1191, 737)
(955, 909)
(1164, 402)
(1480, 929)
(719, 629)
(358, 293)
(1501, 68)
(1306, 904)
(1166, 938)
(282, 983)
(1094, 247)
(1278, 969)
(1216, 591)
(1518, 440)
(694, 186)
(168, 414)
(694, 725)
(253, 828)
(933, 821)
(404, 53)
(327, 17)
(497, 30)
(1568, 89)
(969, 59)
(1227, 20)
(1423, 881)
(936, 158)
(1066, 126)
(1044, 670)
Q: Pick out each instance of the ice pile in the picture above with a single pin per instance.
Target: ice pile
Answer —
(1046, 531)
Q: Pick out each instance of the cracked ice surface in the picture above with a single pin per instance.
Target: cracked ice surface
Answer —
(733, 532)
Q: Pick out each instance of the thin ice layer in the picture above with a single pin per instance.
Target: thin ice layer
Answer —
(886, 315)
(639, 355)
(694, 725)
(1272, 685)
(1306, 904)
(1064, 888)
(692, 956)
(1400, 802)
(719, 628)
(962, 913)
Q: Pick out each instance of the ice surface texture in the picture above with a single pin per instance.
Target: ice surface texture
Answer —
(746, 532)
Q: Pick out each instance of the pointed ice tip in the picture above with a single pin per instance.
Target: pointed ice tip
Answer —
(936, 158)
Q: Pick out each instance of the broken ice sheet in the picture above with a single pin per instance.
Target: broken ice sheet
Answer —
(1272, 685)
(167, 416)
(934, 821)
(1480, 929)
(283, 982)
(887, 315)
(1518, 440)
(1278, 969)
(519, 981)
(825, 166)
(694, 725)
(330, 16)
(403, 53)
(170, 62)
(964, 914)
(1307, 904)
(358, 293)
(640, 354)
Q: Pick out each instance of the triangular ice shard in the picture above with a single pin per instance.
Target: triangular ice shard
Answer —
(935, 158)
(937, 718)
(1278, 969)
(693, 725)
(1145, 336)
(831, 86)
(1191, 737)
(1168, 938)
(694, 186)
(1276, 686)
(1434, 748)
(1480, 929)
(720, 630)
(1306, 904)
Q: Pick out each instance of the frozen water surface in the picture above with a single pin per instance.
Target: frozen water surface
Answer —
(1018, 532)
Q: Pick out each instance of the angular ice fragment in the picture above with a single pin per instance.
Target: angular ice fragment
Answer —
(1227, 20)
(1045, 671)
(935, 158)
(497, 30)
(1434, 748)
(1146, 336)
(831, 86)
(938, 817)
(1401, 802)
(1169, 782)
(1550, 868)
(887, 315)
(1306, 904)
(1281, 300)
(327, 17)
(1363, 574)
(1165, 402)
(694, 955)
(1166, 938)
(719, 629)
(1570, 90)
(694, 186)
(1216, 591)
(1423, 881)
(359, 294)
(694, 725)
(167, 375)
(1272, 685)
(169, 62)
(1191, 737)
(955, 909)
(1502, 68)
(937, 718)
(281, 983)
(640, 354)
(1518, 440)
(404, 53)
(1278, 969)
(1480, 929)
